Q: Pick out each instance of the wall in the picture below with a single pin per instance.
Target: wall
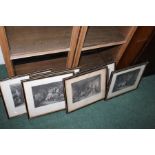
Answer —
(1, 57)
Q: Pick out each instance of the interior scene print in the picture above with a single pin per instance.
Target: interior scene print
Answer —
(125, 80)
(48, 94)
(17, 94)
(86, 88)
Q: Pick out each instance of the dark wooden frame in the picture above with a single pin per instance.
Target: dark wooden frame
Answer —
(81, 74)
(52, 75)
(117, 71)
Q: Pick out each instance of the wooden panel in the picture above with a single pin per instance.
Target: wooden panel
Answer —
(30, 67)
(5, 50)
(143, 33)
(98, 56)
(137, 43)
(73, 44)
(92, 59)
(34, 40)
(124, 46)
(147, 53)
(79, 46)
(104, 36)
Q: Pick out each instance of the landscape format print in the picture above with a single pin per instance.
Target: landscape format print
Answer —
(125, 80)
(17, 94)
(86, 88)
(48, 94)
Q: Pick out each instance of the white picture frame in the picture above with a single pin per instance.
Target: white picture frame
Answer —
(13, 95)
(111, 68)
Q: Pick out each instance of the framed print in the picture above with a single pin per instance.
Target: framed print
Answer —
(13, 96)
(45, 95)
(75, 71)
(111, 68)
(84, 89)
(40, 73)
(53, 73)
(125, 80)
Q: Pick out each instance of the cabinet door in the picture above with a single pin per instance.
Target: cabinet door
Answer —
(101, 44)
(146, 52)
(34, 48)
(137, 43)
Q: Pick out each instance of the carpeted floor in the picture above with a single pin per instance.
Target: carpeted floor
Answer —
(135, 109)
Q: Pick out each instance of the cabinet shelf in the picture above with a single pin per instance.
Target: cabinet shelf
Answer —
(34, 41)
(105, 36)
(99, 56)
(38, 63)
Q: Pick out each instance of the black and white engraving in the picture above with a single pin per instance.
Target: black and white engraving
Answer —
(17, 94)
(125, 80)
(48, 94)
(86, 88)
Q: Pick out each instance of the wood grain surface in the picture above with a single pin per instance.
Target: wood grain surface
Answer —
(27, 41)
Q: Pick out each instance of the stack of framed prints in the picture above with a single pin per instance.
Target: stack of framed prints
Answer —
(14, 95)
(49, 91)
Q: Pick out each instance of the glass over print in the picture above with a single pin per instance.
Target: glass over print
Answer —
(86, 88)
(125, 80)
(48, 94)
(17, 94)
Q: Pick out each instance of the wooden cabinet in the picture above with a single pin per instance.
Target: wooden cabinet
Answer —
(140, 49)
(32, 48)
(29, 49)
(147, 53)
(102, 44)
(138, 42)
